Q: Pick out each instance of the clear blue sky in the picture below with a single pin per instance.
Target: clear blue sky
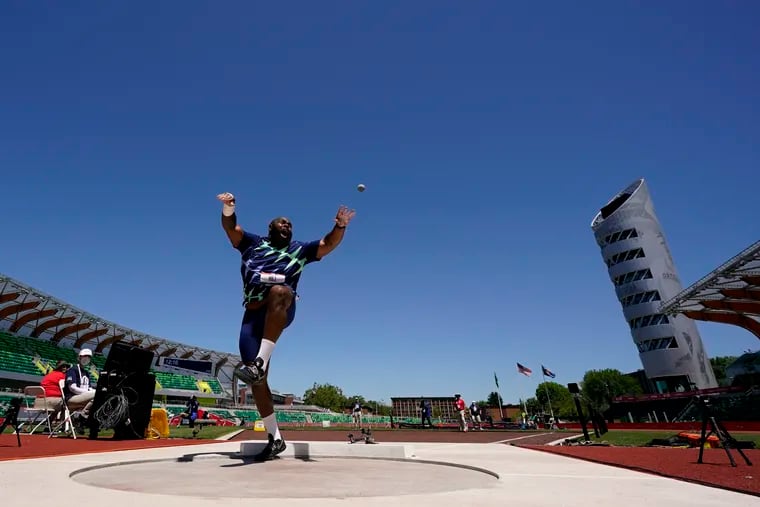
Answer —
(487, 133)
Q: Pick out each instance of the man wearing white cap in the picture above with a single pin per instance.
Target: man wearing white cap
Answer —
(78, 391)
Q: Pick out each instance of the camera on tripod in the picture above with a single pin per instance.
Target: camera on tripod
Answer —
(710, 419)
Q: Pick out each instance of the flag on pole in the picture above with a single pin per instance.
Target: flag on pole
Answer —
(496, 379)
(524, 370)
(547, 372)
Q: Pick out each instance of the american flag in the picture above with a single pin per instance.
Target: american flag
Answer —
(547, 372)
(524, 370)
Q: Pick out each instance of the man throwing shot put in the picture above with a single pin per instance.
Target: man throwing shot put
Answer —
(271, 267)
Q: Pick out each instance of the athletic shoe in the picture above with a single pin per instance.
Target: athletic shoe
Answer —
(272, 449)
(252, 374)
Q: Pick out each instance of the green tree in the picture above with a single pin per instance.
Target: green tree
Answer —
(326, 396)
(719, 365)
(533, 406)
(560, 397)
(493, 399)
(356, 397)
(601, 386)
(377, 407)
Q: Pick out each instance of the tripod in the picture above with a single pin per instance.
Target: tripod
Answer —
(726, 440)
(11, 418)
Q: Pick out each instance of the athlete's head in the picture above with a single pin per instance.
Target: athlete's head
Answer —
(280, 232)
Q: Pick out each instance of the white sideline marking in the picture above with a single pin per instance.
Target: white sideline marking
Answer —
(518, 438)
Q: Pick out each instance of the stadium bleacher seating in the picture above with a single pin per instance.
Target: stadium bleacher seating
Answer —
(18, 363)
(248, 415)
(216, 387)
(32, 356)
(176, 381)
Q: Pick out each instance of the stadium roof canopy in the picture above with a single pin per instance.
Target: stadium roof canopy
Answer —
(31, 312)
(730, 294)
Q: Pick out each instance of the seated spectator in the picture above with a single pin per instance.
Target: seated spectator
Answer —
(78, 391)
(191, 412)
(50, 383)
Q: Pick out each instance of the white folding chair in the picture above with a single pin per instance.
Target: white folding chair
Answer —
(39, 408)
(67, 423)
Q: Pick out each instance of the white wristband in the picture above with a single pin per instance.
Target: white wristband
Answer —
(228, 210)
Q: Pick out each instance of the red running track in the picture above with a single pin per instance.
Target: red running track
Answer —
(676, 463)
(40, 446)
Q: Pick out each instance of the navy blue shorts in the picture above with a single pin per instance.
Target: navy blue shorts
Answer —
(252, 330)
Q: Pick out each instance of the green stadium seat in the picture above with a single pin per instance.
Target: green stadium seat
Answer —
(46, 350)
(216, 387)
(248, 415)
(176, 381)
(18, 363)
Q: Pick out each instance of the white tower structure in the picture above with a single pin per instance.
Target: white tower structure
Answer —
(643, 273)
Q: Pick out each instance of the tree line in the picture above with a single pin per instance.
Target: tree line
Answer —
(599, 387)
(332, 397)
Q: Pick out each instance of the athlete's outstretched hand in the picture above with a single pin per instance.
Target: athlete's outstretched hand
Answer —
(227, 198)
(344, 216)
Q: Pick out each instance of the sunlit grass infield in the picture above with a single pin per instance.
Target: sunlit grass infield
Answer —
(638, 438)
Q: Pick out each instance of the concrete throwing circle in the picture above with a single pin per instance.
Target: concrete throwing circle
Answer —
(285, 477)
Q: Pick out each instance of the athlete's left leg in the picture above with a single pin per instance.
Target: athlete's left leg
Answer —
(276, 444)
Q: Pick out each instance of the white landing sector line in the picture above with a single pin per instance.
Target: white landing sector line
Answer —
(518, 438)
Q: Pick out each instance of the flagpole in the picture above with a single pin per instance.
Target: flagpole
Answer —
(525, 411)
(498, 395)
(526, 372)
(546, 388)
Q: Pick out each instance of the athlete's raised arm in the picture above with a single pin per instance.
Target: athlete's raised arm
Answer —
(333, 238)
(229, 220)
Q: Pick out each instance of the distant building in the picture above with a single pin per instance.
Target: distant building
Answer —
(442, 406)
(643, 274)
(745, 370)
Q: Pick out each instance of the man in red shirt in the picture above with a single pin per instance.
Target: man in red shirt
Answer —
(50, 383)
(461, 407)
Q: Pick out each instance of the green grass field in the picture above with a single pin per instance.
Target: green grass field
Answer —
(638, 438)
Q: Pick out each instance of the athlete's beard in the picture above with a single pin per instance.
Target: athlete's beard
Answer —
(279, 239)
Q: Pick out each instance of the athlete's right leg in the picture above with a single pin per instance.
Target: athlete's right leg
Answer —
(279, 310)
